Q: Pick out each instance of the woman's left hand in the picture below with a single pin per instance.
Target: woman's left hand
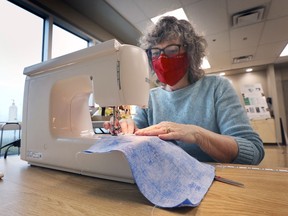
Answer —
(171, 131)
(220, 147)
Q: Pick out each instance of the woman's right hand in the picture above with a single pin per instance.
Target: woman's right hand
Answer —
(126, 126)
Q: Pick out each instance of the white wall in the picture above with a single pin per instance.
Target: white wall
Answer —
(238, 80)
(271, 81)
(275, 92)
(282, 75)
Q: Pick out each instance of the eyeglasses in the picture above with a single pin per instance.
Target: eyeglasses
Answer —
(170, 51)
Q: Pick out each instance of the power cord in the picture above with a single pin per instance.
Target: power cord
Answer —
(16, 143)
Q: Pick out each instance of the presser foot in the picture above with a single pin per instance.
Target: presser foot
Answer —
(115, 131)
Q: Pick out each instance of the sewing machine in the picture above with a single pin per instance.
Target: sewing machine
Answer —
(57, 126)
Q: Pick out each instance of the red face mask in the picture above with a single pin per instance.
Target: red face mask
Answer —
(170, 70)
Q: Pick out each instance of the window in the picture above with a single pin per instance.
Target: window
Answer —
(21, 45)
(64, 42)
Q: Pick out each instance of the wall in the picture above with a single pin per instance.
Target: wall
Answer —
(238, 80)
(276, 94)
(271, 81)
(284, 73)
(281, 76)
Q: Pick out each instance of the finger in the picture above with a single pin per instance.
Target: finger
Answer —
(124, 126)
(168, 136)
(130, 126)
(127, 125)
(106, 125)
(151, 131)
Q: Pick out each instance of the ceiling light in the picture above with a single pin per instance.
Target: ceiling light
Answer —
(285, 51)
(205, 64)
(249, 69)
(178, 13)
(222, 74)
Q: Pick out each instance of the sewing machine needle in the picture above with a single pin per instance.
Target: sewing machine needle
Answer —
(228, 181)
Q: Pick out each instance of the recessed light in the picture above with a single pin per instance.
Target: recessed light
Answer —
(222, 74)
(178, 13)
(285, 51)
(249, 69)
(205, 63)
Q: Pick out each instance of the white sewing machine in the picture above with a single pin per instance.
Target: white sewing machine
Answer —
(57, 125)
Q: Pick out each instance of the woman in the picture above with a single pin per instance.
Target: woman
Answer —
(202, 114)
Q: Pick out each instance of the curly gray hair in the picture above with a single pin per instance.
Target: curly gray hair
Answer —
(170, 28)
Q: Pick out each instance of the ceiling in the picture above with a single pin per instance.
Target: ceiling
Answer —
(264, 38)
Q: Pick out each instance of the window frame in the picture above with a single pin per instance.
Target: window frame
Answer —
(50, 19)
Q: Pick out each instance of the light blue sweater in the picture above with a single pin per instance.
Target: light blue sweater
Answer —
(211, 103)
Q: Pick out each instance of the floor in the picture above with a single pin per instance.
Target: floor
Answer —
(275, 156)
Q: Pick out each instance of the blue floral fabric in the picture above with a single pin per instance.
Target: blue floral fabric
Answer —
(165, 174)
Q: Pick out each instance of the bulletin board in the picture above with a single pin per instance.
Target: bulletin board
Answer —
(255, 101)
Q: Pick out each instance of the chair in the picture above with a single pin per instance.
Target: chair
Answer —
(10, 126)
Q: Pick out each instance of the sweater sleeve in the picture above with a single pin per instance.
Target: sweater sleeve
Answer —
(141, 119)
(233, 121)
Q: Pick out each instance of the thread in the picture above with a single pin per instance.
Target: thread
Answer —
(153, 209)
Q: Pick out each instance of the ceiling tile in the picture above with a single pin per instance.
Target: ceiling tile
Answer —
(152, 8)
(272, 50)
(243, 52)
(188, 2)
(143, 25)
(128, 9)
(235, 6)
(278, 9)
(208, 17)
(219, 61)
(218, 42)
(247, 36)
(275, 30)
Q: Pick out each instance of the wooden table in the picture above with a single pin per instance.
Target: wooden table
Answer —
(29, 190)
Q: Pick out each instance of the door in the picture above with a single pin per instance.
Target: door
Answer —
(285, 97)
